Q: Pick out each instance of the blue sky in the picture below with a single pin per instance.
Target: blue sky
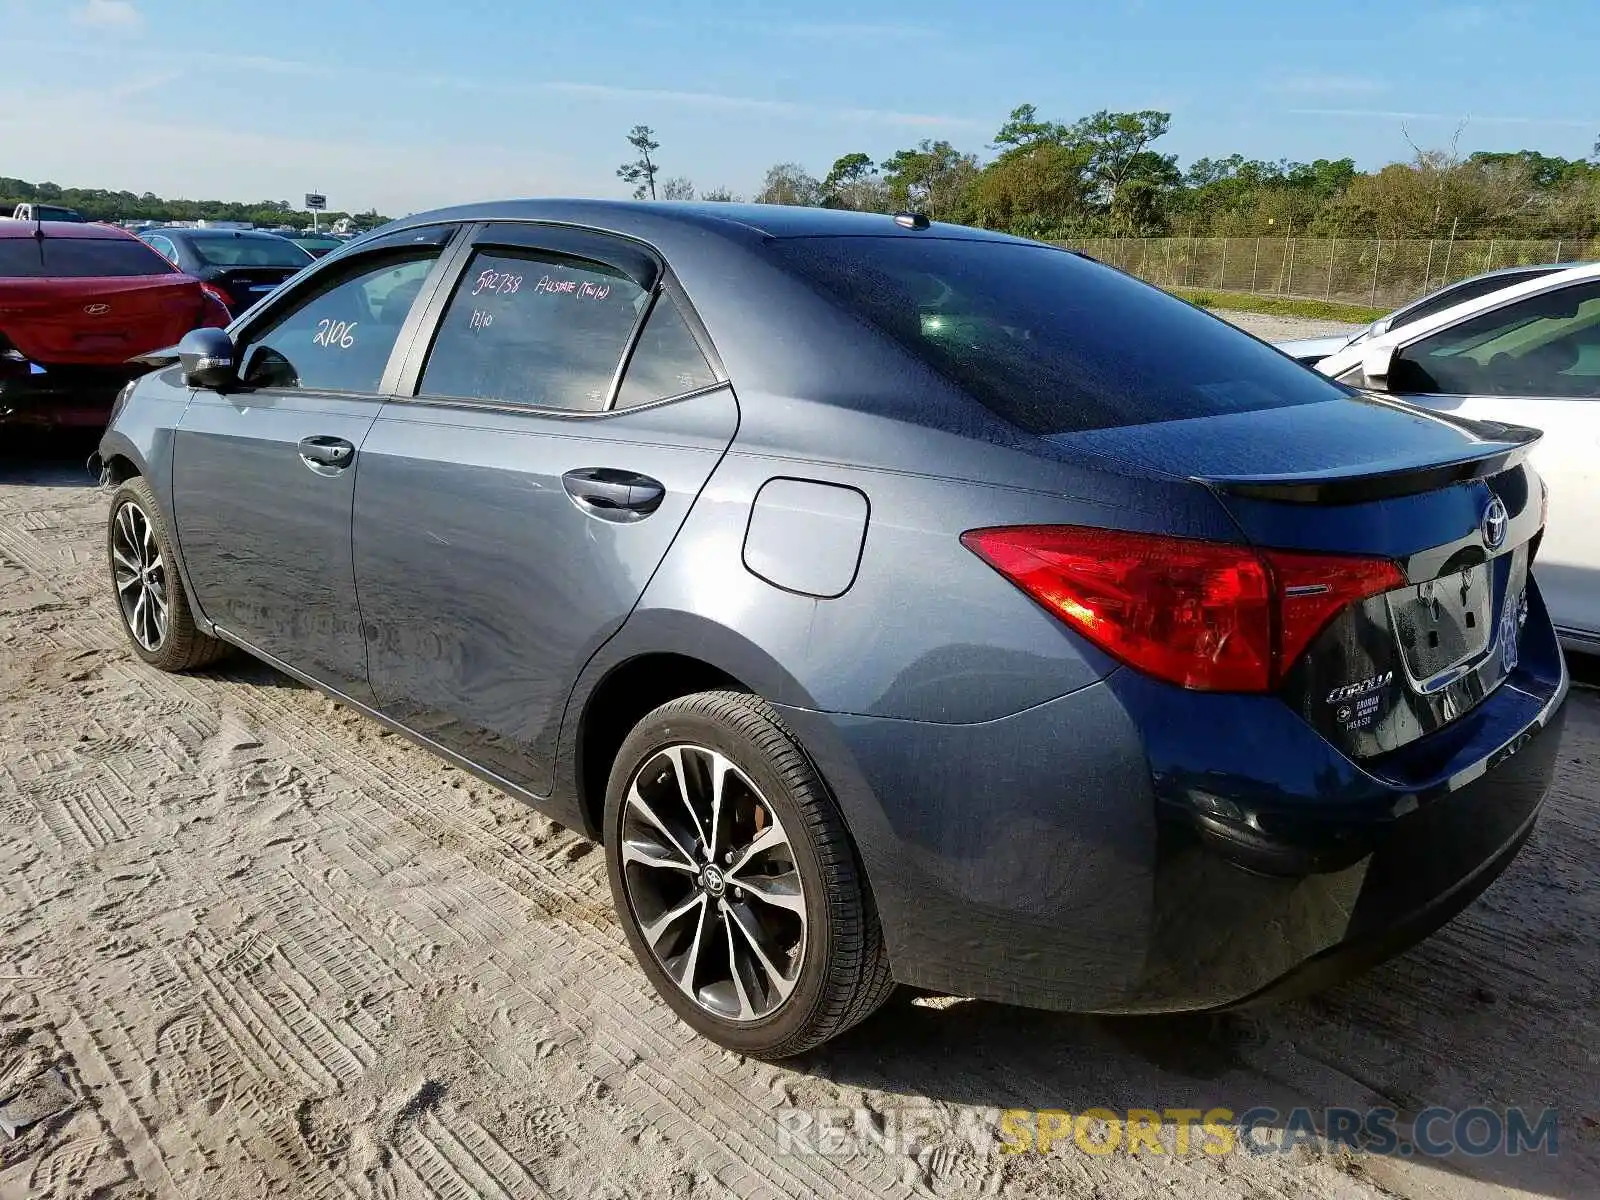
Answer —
(407, 104)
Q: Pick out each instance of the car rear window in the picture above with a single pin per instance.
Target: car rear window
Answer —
(249, 252)
(78, 258)
(1047, 340)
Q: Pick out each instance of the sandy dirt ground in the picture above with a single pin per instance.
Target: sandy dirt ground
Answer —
(254, 945)
(1283, 329)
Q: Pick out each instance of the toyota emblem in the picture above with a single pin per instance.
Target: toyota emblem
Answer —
(97, 310)
(1495, 522)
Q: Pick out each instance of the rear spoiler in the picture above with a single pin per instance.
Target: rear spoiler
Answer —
(1505, 446)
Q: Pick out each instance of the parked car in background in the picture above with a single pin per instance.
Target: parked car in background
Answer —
(242, 265)
(1311, 351)
(47, 212)
(318, 246)
(76, 303)
(1527, 355)
(883, 606)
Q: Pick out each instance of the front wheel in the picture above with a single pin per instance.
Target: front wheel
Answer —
(737, 883)
(145, 584)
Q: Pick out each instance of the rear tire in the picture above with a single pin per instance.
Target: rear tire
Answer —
(146, 588)
(715, 813)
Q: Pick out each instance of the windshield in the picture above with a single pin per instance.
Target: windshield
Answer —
(1047, 340)
(78, 258)
(229, 251)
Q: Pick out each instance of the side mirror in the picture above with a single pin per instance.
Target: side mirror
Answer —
(1375, 365)
(207, 359)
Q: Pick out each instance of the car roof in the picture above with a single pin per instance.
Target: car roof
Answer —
(640, 217)
(60, 229)
(1336, 364)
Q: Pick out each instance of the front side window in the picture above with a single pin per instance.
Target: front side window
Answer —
(163, 247)
(534, 328)
(340, 337)
(79, 258)
(1545, 345)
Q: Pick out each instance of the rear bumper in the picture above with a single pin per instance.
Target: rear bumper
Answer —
(62, 397)
(1055, 858)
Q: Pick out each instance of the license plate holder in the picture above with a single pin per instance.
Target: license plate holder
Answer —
(1445, 622)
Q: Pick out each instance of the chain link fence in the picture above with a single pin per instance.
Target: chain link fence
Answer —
(1383, 273)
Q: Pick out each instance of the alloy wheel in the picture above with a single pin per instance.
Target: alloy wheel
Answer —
(141, 576)
(712, 882)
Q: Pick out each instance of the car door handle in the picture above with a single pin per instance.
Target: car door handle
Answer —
(613, 495)
(327, 452)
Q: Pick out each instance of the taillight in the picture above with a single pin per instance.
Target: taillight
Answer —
(214, 311)
(1206, 615)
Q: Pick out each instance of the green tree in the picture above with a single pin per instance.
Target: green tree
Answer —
(677, 188)
(853, 182)
(1117, 153)
(789, 183)
(1024, 129)
(933, 178)
(641, 172)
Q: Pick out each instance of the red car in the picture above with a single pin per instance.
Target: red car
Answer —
(76, 303)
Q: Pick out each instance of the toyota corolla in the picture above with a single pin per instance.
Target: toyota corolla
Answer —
(895, 601)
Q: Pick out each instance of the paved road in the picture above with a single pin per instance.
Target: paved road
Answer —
(274, 949)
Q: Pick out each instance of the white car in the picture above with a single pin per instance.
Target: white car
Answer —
(1525, 355)
(1311, 351)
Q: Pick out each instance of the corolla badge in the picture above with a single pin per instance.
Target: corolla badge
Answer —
(1495, 522)
(97, 310)
(1361, 687)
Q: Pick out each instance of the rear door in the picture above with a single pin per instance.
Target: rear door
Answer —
(264, 475)
(1534, 362)
(509, 513)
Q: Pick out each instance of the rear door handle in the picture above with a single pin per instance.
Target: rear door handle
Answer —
(614, 495)
(331, 452)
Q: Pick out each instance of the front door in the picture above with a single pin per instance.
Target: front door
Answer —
(1533, 362)
(509, 514)
(264, 474)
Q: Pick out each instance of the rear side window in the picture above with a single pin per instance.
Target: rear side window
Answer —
(666, 362)
(78, 258)
(1047, 340)
(534, 328)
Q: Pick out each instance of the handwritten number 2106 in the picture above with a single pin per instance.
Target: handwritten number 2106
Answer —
(340, 334)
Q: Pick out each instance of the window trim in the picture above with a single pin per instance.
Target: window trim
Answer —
(347, 267)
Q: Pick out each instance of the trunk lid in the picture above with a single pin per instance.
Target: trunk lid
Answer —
(243, 286)
(97, 321)
(1452, 502)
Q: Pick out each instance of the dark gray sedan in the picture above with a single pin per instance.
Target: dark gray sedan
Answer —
(895, 601)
